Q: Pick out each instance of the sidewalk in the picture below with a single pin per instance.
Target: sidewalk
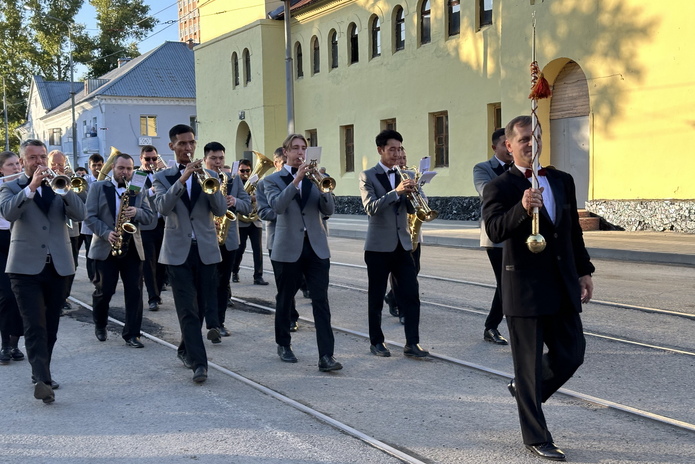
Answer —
(648, 247)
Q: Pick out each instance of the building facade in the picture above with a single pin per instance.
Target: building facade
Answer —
(447, 73)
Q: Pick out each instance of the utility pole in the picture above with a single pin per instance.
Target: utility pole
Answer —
(4, 106)
(289, 81)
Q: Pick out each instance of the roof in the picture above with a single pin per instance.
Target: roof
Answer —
(167, 71)
(53, 93)
(279, 13)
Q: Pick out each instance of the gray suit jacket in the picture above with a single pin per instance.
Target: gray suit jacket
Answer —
(295, 214)
(482, 174)
(101, 218)
(266, 213)
(181, 223)
(235, 188)
(387, 216)
(35, 233)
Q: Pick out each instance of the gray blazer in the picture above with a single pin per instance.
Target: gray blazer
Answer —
(387, 216)
(101, 218)
(35, 233)
(482, 174)
(181, 223)
(149, 197)
(297, 214)
(266, 213)
(235, 188)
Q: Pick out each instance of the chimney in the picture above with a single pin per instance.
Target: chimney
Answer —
(122, 61)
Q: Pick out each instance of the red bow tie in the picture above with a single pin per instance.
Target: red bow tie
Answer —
(529, 172)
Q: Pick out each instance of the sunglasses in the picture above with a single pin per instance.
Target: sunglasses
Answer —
(150, 159)
(244, 170)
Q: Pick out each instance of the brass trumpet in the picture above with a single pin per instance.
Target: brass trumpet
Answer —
(77, 183)
(324, 183)
(208, 183)
(422, 210)
(59, 183)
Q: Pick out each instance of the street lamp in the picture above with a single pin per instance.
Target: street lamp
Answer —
(72, 83)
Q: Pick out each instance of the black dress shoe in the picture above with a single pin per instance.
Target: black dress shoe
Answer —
(184, 359)
(547, 451)
(391, 302)
(134, 342)
(224, 332)
(380, 350)
(200, 374)
(235, 277)
(494, 336)
(100, 333)
(214, 335)
(230, 303)
(259, 281)
(54, 385)
(67, 305)
(16, 354)
(415, 351)
(5, 356)
(511, 386)
(44, 392)
(154, 306)
(294, 326)
(328, 363)
(286, 354)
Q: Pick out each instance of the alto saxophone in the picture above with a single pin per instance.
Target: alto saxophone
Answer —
(120, 246)
(222, 223)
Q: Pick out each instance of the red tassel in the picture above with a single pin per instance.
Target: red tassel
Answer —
(541, 89)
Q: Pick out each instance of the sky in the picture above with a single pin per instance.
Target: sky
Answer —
(165, 11)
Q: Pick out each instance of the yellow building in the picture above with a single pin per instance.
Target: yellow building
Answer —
(446, 73)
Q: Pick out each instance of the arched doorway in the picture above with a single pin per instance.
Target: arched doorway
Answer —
(244, 142)
(569, 127)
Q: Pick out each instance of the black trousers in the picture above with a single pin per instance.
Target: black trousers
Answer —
(294, 315)
(129, 267)
(416, 258)
(288, 277)
(224, 273)
(254, 234)
(538, 375)
(495, 316)
(194, 286)
(10, 318)
(87, 238)
(401, 265)
(153, 272)
(40, 298)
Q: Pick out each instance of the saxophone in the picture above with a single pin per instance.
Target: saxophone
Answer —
(222, 223)
(423, 213)
(120, 247)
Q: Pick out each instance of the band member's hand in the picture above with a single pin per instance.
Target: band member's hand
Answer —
(38, 177)
(406, 186)
(130, 212)
(113, 236)
(301, 172)
(191, 168)
(586, 285)
(533, 198)
(231, 201)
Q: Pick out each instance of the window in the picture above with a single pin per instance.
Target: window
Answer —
(349, 147)
(54, 137)
(376, 36)
(399, 29)
(454, 16)
(334, 49)
(440, 137)
(148, 125)
(85, 131)
(315, 56)
(235, 70)
(485, 8)
(299, 60)
(247, 66)
(388, 124)
(193, 122)
(425, 32)
(312, 137)
(353, 50)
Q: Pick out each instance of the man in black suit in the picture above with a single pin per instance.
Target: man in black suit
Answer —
(542, 292)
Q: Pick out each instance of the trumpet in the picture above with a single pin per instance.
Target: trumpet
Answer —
(59, 183)
(77, 183)
(323, 182)
(422, 210)
(208, 183)
(155, 167)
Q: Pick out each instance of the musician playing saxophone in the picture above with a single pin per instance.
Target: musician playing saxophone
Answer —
(237, 201)
(111, 204)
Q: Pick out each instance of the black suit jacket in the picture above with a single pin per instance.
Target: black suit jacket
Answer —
(536, 284)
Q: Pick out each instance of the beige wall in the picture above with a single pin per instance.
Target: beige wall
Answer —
(635, 54)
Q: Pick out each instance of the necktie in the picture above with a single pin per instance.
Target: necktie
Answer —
(528, 173)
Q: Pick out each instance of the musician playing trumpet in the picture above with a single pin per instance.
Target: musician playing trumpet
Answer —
(115, 251)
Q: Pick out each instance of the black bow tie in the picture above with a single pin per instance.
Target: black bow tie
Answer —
(294, 171)
(392, 171)
(121, 185)
(182, 167)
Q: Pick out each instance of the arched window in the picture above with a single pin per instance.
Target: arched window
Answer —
(376, 36)
(235, 70)
(315, 56)
(454, 17)
(425, 31)
(247, 65)
(399, 29)
(333, 37)
(299, 60)
(353, 44)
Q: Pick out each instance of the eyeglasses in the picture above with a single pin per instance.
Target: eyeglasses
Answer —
(244, 170)
(150, 159)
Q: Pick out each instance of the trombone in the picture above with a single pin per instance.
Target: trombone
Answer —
(208, 182)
